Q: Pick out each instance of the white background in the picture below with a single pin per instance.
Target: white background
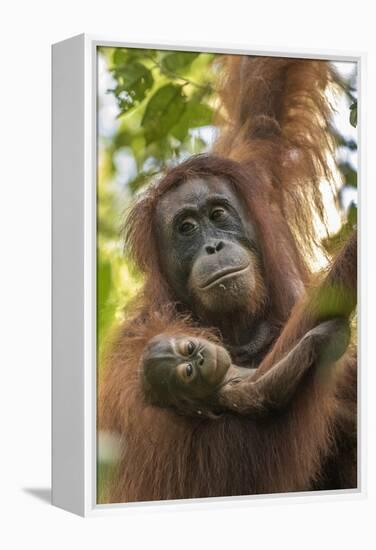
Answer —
(27, 30)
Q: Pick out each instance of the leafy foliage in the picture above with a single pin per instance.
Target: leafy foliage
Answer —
(162, 112)
(134, 80)
(161, 102)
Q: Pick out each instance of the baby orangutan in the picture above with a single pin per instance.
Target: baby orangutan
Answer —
(196, 376)
(185, 372)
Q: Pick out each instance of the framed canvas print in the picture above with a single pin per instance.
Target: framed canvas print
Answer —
(205, 253)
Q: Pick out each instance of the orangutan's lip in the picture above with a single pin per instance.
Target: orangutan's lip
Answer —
(221, 276)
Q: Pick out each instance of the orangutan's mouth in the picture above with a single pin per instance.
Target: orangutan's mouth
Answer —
(222, 275)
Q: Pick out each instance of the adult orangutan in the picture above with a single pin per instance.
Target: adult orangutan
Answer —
(224, 242)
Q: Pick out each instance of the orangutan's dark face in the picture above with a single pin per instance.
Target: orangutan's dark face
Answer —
(208, 248)
(182, 367)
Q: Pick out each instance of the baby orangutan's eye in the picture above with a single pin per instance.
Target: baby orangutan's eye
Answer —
(187, 347)
(190, 347)
(186, 372)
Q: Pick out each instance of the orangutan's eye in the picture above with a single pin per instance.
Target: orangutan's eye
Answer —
(218, 214)
(190, 347)
(188, 227)
(186, 372)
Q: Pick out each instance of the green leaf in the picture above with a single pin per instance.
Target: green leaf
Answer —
(134, 80)
(350, 175)
(354, 114)
(177, 61)
(122, 56)
(122, 139)
(119, 57)
(352, 215)
(195, 115)
(163, 111)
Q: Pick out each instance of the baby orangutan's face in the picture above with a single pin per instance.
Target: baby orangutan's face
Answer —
(176, 368)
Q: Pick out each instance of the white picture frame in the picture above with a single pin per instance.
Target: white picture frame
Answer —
(74, 361)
